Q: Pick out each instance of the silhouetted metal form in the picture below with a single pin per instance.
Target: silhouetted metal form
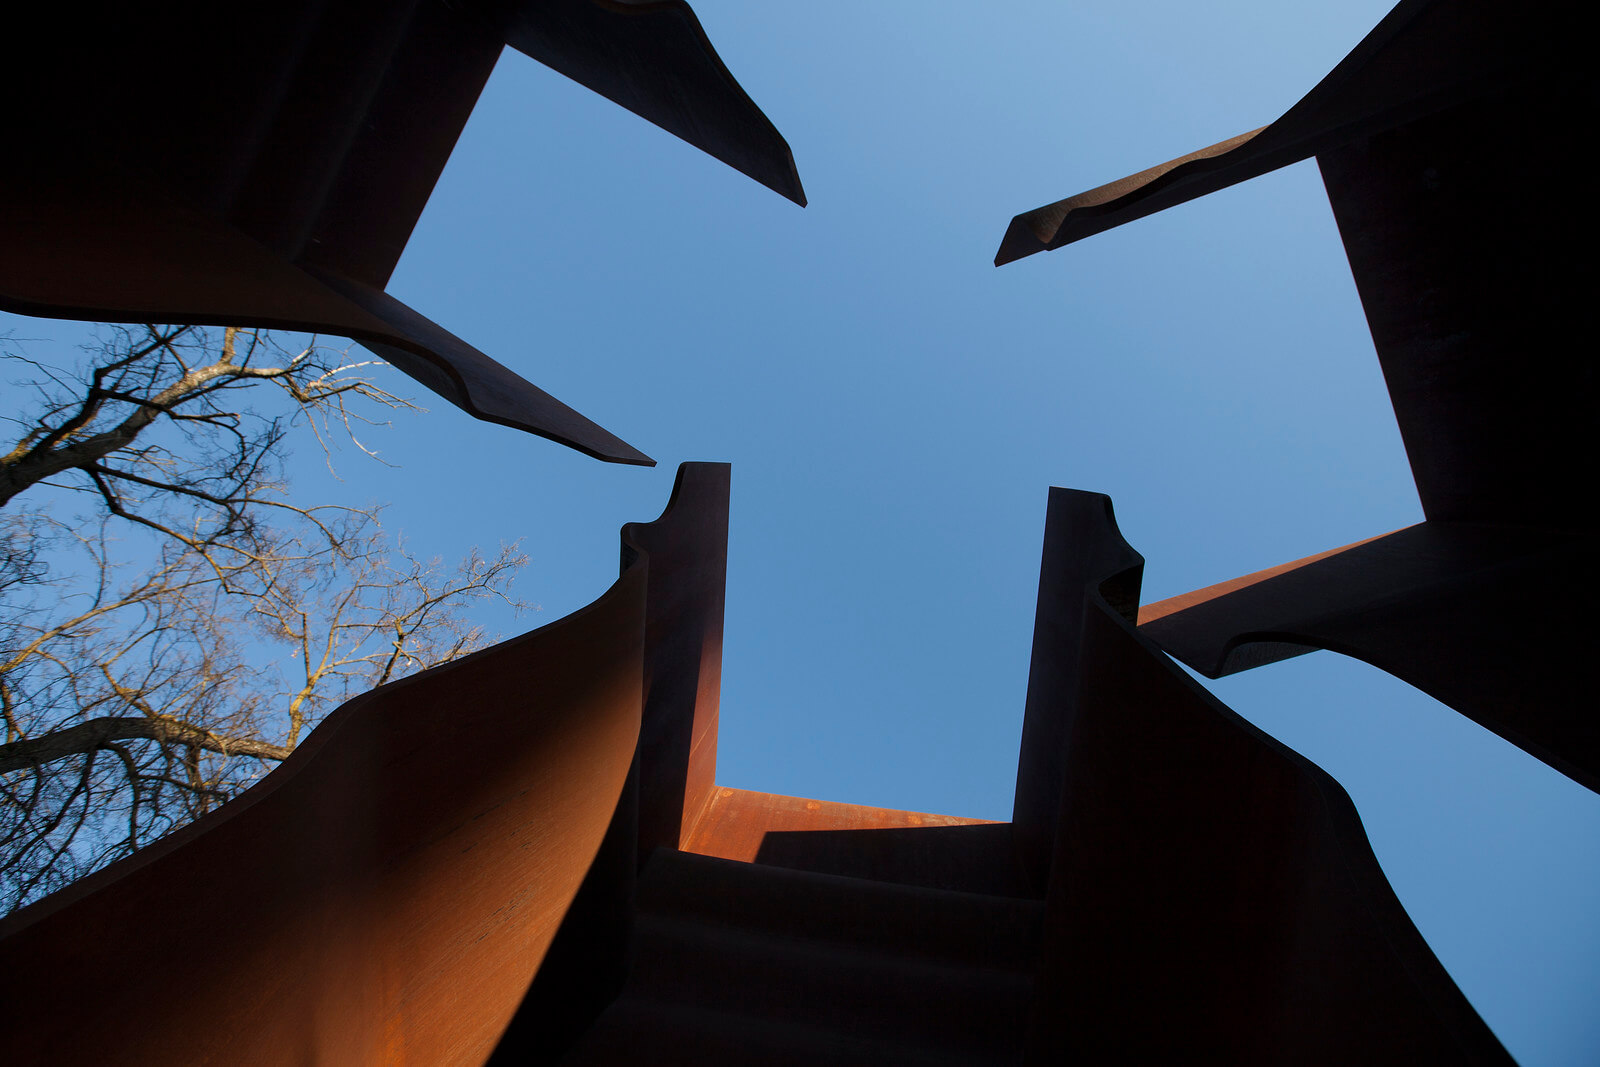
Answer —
(264, 163)
(388, 892)
(522, 857)
(1176, 887)
(1200, 873)
(1444, 140)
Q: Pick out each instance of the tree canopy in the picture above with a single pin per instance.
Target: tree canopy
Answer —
(172, 621)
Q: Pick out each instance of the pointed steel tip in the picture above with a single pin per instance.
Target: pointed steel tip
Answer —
(1018, 243)
(789, 187)
(614, 450)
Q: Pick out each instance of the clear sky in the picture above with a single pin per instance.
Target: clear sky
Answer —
(895, 409)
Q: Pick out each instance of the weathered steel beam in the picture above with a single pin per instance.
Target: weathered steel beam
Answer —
(1479, 617)
(389, 892)
(1200, 873)
(1445, 141)
(264, 164)
(1423, 57)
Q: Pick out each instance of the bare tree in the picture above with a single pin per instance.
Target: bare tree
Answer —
(143, 681)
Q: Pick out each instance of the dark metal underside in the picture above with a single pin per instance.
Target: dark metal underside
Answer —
(264, 164)
(1450, 142)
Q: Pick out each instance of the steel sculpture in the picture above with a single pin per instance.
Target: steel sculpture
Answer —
(1444, 140)
(523, 857)
(387, 893)
(556, 877)
(264, 163)
(1459, 610)
(1212, 896)
(1167, 862)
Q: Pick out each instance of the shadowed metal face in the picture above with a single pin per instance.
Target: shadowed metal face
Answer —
(264, 164)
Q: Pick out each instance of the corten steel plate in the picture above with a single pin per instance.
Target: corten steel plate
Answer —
(1462, 611)
(688, 550)
(858, 841)
(1445, 141)
(385, 895)
(1187, 868)
(673, 766)
(263, 164)
(1212, 896)
(388, 894)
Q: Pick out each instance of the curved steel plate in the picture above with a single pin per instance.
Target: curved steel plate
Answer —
(1200, 873)
(1481, 618)
(388, 893)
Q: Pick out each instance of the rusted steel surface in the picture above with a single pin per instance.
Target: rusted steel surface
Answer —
(384, 896)
(1153, 613)
(1204, 875)
(672, 768)
(1425, 56)
(688, 550)
(448, 871)
(1188, 869)
(1473, 615)
(736, 823)
(883, 844)
(388, 893)
(283, 192)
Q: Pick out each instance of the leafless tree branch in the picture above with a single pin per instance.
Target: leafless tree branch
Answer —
(145, 681)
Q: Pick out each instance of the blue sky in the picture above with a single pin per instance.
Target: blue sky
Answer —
(895, 408)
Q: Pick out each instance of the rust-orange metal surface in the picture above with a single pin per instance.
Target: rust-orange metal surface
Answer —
(449, 871)
(524, 856)
(672, 767)
(736, 823)
(1466, 612)
(688, 549)
(1169, 862)
(855, 840)
(384, 896)
(1160, 609)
